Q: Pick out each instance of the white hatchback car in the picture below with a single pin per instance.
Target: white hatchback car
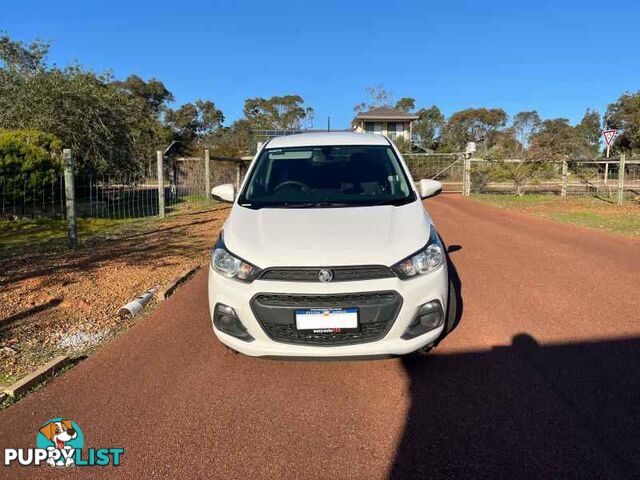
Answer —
(329, 252)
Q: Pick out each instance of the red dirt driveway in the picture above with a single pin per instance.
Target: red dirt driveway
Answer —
(540, 379)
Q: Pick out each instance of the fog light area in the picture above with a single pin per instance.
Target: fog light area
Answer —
(429, 317)
(226, 320)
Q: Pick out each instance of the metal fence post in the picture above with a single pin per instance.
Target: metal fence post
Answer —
(207, 173)
(160, 157)
(621, 179)
(565, 174)
(466, 179)
(238, 171)
(70, 198)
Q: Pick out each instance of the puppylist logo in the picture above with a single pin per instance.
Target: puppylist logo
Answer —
(60, 443)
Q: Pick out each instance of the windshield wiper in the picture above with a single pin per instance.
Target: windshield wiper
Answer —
(396, 202)
(316, 205)
(329, 204)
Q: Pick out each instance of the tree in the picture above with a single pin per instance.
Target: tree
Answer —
(108, 128)
(406, 104)
(556, 140)
(15, 55)
(378, 97)
(234, 141)
(192, 121)
(153, 93)
(473, 125)
(102, 126)
(278, 113)
(525, 125)
(589, 131)
(428, 126)
(505, 145)
(624, 115)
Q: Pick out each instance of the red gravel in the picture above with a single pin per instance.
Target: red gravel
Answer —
(54, 302)
(541, 379)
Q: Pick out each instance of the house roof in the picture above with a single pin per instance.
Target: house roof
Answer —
(385, 113)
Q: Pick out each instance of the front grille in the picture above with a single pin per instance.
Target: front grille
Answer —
(340, 274)
(377, 312)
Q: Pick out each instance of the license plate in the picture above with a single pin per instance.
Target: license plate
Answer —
(327, 320)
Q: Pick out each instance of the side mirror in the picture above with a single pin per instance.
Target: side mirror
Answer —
(225, 192)
(429, 188)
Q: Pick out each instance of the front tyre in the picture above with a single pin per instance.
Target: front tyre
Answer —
(453, 303)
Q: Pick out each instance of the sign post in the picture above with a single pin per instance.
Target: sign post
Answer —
(609, 137)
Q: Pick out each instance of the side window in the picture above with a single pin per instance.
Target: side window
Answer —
(396, 178)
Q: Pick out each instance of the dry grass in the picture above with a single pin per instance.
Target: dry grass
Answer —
(586, 211)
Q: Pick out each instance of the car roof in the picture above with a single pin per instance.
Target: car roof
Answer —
(320, 139)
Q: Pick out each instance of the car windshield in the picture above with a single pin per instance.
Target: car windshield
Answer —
(329, 176)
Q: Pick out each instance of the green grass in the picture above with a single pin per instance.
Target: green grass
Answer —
(625, 225)
(194, 199)
(513, 200)
(16, 234)
(585, 211)
(52, 234)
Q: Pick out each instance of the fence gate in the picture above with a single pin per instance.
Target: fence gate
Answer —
(447, 168)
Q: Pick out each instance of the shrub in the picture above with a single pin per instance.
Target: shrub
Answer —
(481, 174)
(522, 173)
(29, 153)
(518, 173)
(29, 160)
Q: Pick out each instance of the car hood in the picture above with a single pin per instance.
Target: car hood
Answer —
(379, 235)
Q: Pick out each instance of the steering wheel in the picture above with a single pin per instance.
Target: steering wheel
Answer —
(296, 183)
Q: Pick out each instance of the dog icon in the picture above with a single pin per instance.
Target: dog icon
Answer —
(59, 433)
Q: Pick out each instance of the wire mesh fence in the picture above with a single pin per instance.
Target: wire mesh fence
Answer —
(571, 177)
(602, 177)
(116, 196)
(127, 195)
(32, 196)
(447, 168)
(120, 195)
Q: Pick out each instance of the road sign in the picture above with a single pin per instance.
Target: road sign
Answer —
(609, 136)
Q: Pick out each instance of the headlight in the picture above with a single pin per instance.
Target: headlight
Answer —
(231, 266)
(425, 260)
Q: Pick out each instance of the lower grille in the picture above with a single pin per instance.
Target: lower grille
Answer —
(377, 312)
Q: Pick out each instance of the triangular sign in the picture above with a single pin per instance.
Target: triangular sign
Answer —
(609, 135)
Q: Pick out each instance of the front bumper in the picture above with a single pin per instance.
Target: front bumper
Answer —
(414, 293)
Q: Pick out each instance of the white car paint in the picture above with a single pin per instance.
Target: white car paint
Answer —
(329, 237)
(358, 236)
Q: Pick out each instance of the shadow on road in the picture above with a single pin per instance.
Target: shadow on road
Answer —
(528, 410)
(557, 411)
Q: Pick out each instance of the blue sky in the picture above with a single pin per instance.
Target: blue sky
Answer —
(557, 57)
